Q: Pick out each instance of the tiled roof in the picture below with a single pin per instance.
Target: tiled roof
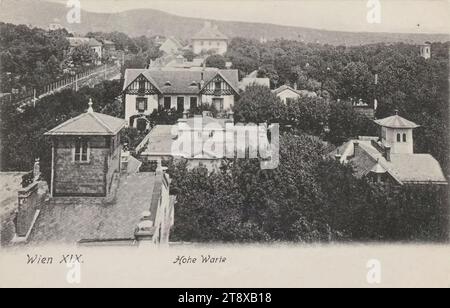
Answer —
(68, 221)
(209, 32)
(181, 80)
(396, 121)
(89, 123)
(404, 168)
(160, 141)
(299, 92)
(248, 81)
(78, 41)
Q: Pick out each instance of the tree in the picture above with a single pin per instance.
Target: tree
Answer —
(189, 55)
(216, 61)
(83, 54)
(257, 104)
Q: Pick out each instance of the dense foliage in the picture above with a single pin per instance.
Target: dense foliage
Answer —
(30, 57)
(22, 129)
(307, 199)
(418, 88)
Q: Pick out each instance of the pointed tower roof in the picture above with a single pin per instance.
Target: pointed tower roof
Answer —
(89, 123)
(396, 121)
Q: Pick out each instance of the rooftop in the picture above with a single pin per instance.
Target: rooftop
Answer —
(299, 92)
(89, 123)
(209, 32)
(66, 221)
(404, 168)
(78, 41)
(182, 81)
(396, 121)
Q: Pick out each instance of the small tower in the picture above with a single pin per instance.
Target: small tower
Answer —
(425, 50)
(397, 133)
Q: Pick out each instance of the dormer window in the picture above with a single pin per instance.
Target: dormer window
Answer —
(193, 84)
(168, 84)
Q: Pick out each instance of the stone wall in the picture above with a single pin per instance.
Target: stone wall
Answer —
(30, 201)
(76, 179)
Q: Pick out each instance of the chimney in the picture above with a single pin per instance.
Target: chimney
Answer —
(338, 156)
(387, 152)
(295, 86)
(37, 170)
(356, 148)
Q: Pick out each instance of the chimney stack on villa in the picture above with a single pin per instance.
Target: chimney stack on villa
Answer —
(387, 152)
(356, 148)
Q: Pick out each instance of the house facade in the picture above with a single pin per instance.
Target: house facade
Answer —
(93, 44)
(287, 93)
(210, 39)
(179, 89)
(85, 155)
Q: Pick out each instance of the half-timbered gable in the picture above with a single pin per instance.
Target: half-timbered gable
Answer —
(142, 86)
(218, 86)
(182, 89)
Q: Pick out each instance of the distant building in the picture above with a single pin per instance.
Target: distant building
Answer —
(95, 45)
(181, 62)
(108, 46)
(390, 158)
(171, 46)
(55, 27)
(364, 109)
(425, 50)
(210, 39)
(147, 90)
(163, 142)
(287, 93)
(85, 155)
(252, 79)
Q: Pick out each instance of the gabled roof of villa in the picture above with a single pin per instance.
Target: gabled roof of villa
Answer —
(89, 123)
(181, 81)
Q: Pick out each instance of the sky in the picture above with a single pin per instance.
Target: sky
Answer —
(433, 16)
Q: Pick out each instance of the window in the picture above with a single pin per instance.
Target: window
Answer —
(193, 103)
(218, 103)
(141, 104)
(404, 138)
(81, 150)
(141, 86)
(399, 138)
(180, 103)
(218, 85)
(167, 102)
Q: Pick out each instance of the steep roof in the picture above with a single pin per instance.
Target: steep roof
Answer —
(78, 41)
(89, 123)
(396, 121)
(404, 168)
(209, 32)
(70, 222)
(299, 92)
(181, 80)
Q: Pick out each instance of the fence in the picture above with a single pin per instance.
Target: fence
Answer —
(61, 84)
